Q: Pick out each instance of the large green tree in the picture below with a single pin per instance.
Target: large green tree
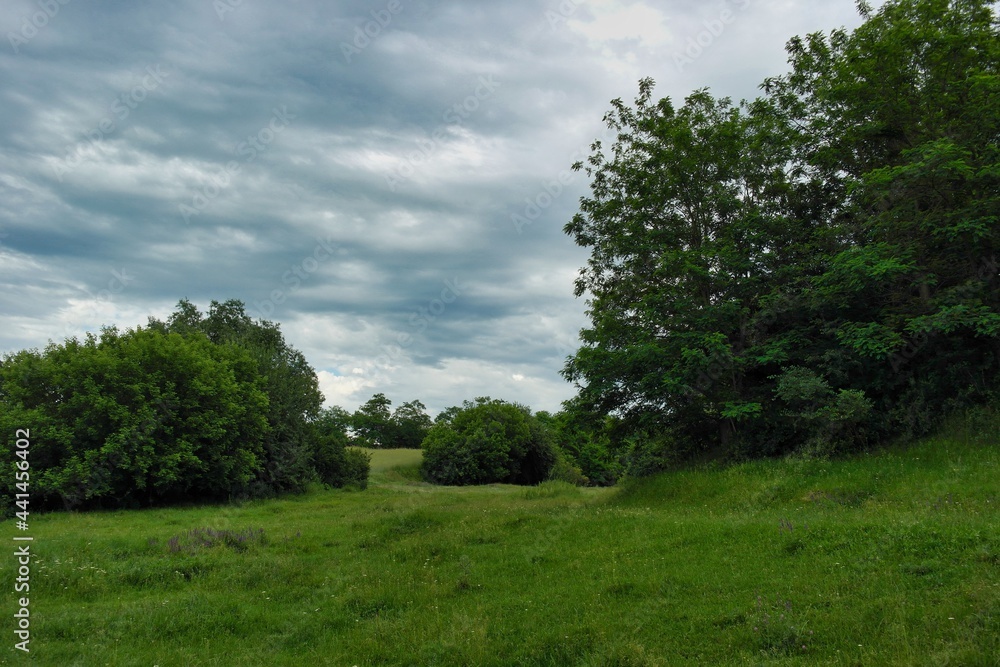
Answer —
(817, 266)
(375, 425)
(689, 231)
(372, 423)
(901, 119)
(411, 424)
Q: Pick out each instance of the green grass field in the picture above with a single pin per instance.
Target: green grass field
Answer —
(885, 559)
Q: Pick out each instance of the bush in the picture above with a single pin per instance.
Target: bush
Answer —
(649, 453)
(194, 409)
(586, 441)
(566, 470)
(354, 468)
(488, 442)
(134, 418)
(826, 422)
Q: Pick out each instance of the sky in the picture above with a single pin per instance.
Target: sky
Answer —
(388, 180)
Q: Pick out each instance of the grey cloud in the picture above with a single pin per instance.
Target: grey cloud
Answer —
(484, 105)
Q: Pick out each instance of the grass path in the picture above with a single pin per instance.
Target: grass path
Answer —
(888, 559)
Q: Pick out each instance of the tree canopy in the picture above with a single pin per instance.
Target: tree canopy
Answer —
(815, 268)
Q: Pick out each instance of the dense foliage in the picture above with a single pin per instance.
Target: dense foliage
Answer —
(485, 442)
(198, 408)
(589, 451)
(816, 268)
(336, 463)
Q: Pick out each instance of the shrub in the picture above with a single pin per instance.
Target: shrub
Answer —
(649, 453)
(134, 418)
(586, 441)
(194, 409)
(356, 466)
(338, 465)
(566, 470)
(826, 421)
(491, 441)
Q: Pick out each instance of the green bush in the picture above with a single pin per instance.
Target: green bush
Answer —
(194, 409)
(586, 441)
(134, 418)
(345, 467)
(491, 441)
(566, 470)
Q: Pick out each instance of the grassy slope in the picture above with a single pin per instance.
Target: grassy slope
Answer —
(892, 558)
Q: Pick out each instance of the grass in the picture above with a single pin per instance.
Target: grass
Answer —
(891, 558)
(395, 465)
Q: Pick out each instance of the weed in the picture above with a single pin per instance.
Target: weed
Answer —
(775, 630)
(208, 538)
(464, 581)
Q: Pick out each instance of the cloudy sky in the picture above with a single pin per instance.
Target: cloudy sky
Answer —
(387, 179)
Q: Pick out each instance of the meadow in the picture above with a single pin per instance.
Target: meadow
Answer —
(887, 558)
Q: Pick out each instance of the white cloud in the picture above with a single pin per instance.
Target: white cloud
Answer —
(612, 21)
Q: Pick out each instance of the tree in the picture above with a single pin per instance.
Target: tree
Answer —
(688, 233)
(375, 426)
(903, 116)
(587, 441)
(336, 463)
(334, 422)
(410, 424)
(486, 443)
(372, 423)
(838, 233)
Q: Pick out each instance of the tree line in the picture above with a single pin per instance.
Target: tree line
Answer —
(373, 425)
(216, 406)
(485, 440)
(815, 270)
